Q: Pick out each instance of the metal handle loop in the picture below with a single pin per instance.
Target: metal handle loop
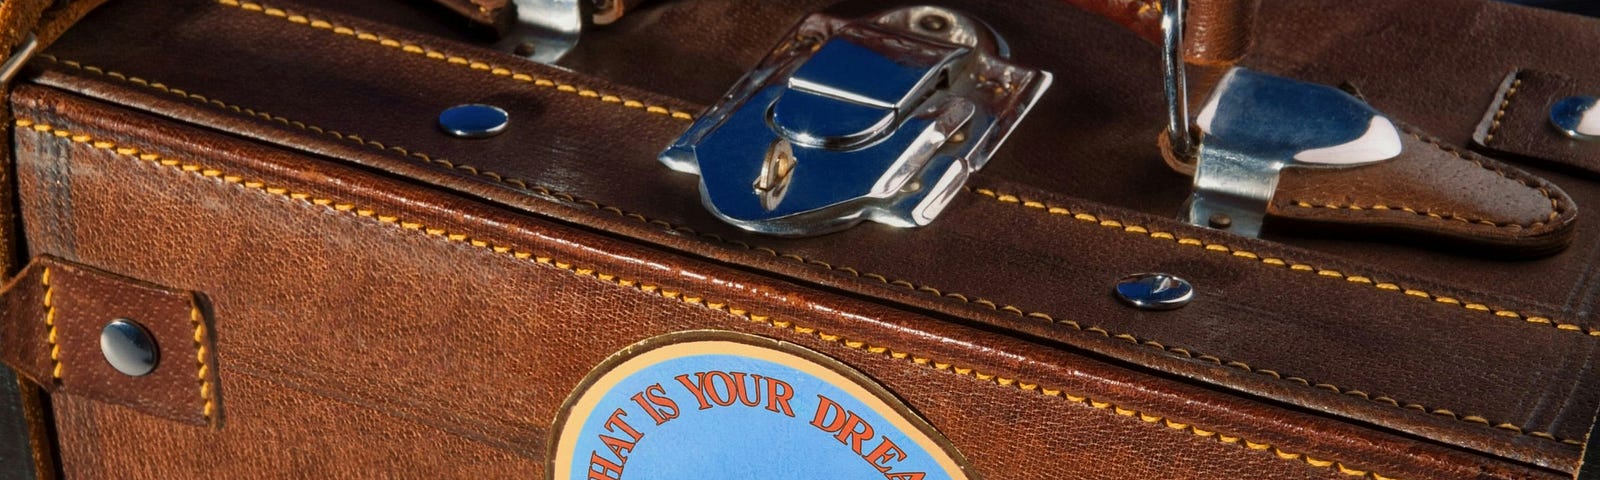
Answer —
(1180, 137)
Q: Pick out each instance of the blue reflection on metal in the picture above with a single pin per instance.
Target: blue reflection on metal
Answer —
(1257, 124)
(878, 123)
(1577, 117)
(1155, 291)
(474, 120)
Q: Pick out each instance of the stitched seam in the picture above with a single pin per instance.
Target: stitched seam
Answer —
(1505, 103)
(1007, 198)
(50, 326)
(413, 48)
(924, 289)
(208, 404)
(158, 86)
(786, 326)
(1402, 208)
(469, 63)
(1556, 208)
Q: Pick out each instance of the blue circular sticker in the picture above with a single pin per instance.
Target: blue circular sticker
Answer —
(693, 405)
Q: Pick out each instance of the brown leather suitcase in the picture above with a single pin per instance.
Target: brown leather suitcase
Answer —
(245, 248)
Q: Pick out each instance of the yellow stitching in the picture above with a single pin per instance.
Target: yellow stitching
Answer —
(567, 197)
(50, 325)
(461, 61)
(1505, 103)
(1413, 211)
(208, 405)
(1556, 207)
(789, 327)
(1361, 279)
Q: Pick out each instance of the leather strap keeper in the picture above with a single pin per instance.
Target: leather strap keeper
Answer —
(1518, 120)
(50, 327)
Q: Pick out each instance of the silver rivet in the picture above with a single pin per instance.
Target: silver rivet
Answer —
(1154, 291)
(1577, 117)
(474, 120)
(129, 348)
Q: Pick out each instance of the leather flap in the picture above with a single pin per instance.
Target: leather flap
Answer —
(50, 330)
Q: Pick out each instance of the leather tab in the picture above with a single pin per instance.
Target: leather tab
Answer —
(50, 325)
(1518, 120)
(1434, 191)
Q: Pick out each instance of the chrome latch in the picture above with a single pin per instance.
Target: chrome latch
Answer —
(879, 119)
(1254, 126)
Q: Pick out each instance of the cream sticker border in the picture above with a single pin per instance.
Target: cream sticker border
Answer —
(814, 413)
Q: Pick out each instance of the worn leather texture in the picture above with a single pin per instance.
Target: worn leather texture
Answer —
(54, 312)
(1433, 193)
(428, 382)
(1399, 359)
(1517, 121)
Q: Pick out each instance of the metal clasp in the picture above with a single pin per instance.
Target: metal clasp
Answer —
(545, 30)
(879, 119)
(1253, 126)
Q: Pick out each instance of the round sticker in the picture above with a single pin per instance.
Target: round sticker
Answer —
(704, 404)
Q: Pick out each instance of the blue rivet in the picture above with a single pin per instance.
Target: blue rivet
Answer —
(474, 120)
(1154, 291)
(1577, 117)
(129, 348)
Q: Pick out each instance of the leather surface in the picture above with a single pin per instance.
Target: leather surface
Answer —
(1433, 192)
(474, 322)
(1517, 121)
(50, 332)
(1385, 334)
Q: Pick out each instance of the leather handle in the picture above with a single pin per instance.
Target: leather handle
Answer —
(51, 318)
(1218, 32)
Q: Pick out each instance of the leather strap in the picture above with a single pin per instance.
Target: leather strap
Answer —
(51, 317)
(44, 21)
(1219, 31)
(1435, 193)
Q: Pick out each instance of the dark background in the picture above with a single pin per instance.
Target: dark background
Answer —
(1584, 7)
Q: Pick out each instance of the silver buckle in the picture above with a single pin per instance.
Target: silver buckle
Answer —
(879, 119)
(1254, 126)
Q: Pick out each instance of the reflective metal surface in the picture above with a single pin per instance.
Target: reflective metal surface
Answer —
(1577, 117)
(545, 30)
(1255, 125)
(129, 348)
(1180, 136)
(879, 119)
(19, 57)
(474, 120)
(1154, 291)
